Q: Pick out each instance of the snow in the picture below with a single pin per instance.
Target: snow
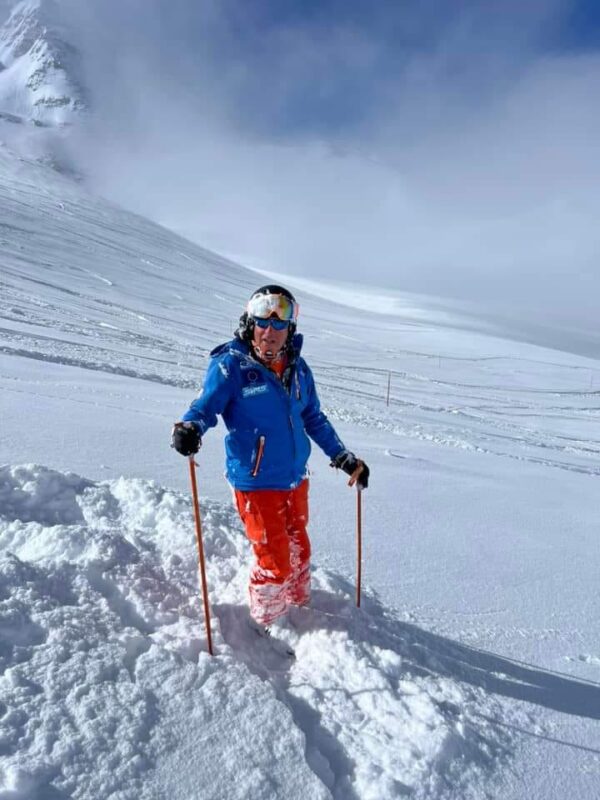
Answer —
(106, 676)
(471, 669)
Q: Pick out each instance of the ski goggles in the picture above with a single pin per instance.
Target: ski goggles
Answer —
(273, 322)
(262, 306)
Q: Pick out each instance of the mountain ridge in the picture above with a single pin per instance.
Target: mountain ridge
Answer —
(42, 92)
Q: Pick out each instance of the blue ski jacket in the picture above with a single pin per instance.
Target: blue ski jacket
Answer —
(267, 446)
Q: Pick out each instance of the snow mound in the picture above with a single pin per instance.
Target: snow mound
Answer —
(34, 494)
(108, 691)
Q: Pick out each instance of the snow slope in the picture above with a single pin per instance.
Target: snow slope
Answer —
(472, 668)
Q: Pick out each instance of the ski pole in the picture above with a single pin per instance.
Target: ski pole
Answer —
(358, 543)
(352, 482)
(200, 552)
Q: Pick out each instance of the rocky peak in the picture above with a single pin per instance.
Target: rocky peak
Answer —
(41, 75)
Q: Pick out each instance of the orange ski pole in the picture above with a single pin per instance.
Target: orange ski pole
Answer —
(200, 552)
(358, 543)
(354, 481)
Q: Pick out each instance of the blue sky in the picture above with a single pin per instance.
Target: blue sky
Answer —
(578, 28)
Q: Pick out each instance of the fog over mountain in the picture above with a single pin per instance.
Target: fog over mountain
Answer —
(450, 154)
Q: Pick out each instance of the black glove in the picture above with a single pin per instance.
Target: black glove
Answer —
(185, 438)
(350, 463)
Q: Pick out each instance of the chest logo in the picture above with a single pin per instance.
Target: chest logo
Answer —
(250, 391)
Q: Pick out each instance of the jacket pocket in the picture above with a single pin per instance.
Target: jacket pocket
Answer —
(260, 449)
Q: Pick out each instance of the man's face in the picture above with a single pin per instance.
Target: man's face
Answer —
(268, 342)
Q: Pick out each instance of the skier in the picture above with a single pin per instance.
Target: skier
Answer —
(265, 392)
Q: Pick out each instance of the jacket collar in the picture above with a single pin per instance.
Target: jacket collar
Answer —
(240, 348)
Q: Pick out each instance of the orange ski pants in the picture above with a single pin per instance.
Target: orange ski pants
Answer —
(275, 523)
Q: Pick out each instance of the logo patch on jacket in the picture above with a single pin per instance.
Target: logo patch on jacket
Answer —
(258, 388)
(254, 383)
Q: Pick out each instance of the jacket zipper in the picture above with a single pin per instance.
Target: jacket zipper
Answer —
(288, 400)
(259, 454)
(293, 436)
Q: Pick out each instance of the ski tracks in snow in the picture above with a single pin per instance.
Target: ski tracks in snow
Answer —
(107, 689)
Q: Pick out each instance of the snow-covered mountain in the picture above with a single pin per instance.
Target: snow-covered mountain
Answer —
(41, 90)
(40, 69)
(471, 669)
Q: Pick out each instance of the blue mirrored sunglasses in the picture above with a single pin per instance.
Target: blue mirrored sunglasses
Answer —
(274, 322)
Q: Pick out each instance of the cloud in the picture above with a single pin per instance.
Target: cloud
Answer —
(453, 158)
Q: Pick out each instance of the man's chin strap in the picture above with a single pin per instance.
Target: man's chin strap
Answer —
(258, 354)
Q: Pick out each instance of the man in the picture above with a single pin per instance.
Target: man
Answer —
(265, 392)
